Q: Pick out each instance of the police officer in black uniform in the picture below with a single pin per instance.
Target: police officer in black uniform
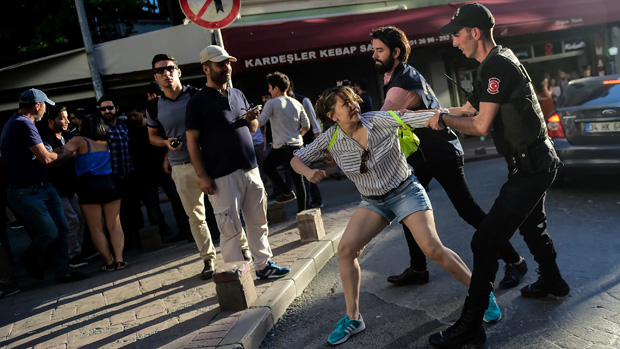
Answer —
(503, 104)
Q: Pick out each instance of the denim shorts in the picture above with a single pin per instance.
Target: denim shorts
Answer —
(408, 198)
(97, 190)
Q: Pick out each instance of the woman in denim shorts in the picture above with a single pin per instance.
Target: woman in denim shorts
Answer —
(367, 150)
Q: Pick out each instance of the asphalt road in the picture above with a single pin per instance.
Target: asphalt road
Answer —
(583, 221)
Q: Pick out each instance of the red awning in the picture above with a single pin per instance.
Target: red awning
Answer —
(309, 40)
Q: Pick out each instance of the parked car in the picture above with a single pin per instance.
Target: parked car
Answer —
(585, 125)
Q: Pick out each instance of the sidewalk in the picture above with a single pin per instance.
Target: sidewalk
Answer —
(159, 301)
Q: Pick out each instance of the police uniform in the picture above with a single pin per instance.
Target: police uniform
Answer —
(440, 156)
(520, 135)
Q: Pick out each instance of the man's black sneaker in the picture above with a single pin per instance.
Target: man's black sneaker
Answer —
(207, 271)
(315, 205)
(466, 331)
(9, 290)
(514, 274)
(16, 224)
(284, 198)
(77, 262)
(541, 289)
(409, 277)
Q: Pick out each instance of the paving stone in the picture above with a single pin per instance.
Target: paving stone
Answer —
(33, 321)
(151, 309)
(82, 337)
(58, 341)
(6, 330)
(155, 325)
(125, 317)
(64, 312)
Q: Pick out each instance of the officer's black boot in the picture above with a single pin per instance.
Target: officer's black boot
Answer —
(466, 331)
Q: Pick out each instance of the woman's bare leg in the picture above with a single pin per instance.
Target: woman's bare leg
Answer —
(111, 212)
(92, 215)
(422, 226)
(363, 226)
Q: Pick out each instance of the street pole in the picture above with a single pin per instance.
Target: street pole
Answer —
(88, 46)
(220, 42)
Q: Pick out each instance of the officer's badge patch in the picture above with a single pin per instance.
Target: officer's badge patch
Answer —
(493, 86)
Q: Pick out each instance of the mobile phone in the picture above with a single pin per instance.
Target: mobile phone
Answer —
(256, 107)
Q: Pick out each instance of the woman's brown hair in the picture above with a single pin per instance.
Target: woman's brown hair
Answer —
(327, 101)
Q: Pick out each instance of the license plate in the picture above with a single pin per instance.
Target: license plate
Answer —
(603, 127)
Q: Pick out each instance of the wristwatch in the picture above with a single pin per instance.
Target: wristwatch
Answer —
(441, 113)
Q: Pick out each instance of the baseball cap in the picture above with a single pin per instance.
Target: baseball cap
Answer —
(470, 15)
(35, 96)
(215, 53)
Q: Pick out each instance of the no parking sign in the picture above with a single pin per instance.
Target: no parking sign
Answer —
(211, 14)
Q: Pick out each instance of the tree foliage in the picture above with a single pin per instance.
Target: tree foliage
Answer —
(46, 27)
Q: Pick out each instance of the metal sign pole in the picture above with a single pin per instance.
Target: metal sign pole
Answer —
(218, 38)
(220, 42)
(88, 46)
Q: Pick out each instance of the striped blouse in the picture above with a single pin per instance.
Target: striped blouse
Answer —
(387, 166)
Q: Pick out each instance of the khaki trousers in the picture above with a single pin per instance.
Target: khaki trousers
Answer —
(242, 190)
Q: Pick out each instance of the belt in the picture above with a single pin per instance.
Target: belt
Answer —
(26, 186)
(381, 197)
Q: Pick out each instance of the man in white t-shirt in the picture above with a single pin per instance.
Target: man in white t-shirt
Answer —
(289, 123)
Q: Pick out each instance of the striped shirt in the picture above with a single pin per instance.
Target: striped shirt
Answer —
(387, 166)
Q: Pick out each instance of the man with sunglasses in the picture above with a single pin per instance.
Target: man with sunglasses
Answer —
(123, 170)
(439, 156)
(166, 122)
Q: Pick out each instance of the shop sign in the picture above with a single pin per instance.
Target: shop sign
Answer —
(307, 56)
(547, 49)
(334, 52)
(574, 45)
(522, 52)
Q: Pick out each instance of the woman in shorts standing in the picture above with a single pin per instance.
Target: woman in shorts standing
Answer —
(366, 148)
(97, 191)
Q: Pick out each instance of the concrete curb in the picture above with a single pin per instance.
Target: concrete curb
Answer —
(255, 322)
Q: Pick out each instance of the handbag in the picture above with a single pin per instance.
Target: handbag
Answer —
(408, 140)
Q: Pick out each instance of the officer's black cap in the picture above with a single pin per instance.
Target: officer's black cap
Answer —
(470, 15)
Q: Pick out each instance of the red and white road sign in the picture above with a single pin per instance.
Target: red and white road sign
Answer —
(212, 14)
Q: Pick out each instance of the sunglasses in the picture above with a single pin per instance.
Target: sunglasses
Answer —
(161, 70)
(109, 107)
(365, 156)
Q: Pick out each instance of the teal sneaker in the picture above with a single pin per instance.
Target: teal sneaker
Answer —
(344, 329)
(272, 271)
(492, 314)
